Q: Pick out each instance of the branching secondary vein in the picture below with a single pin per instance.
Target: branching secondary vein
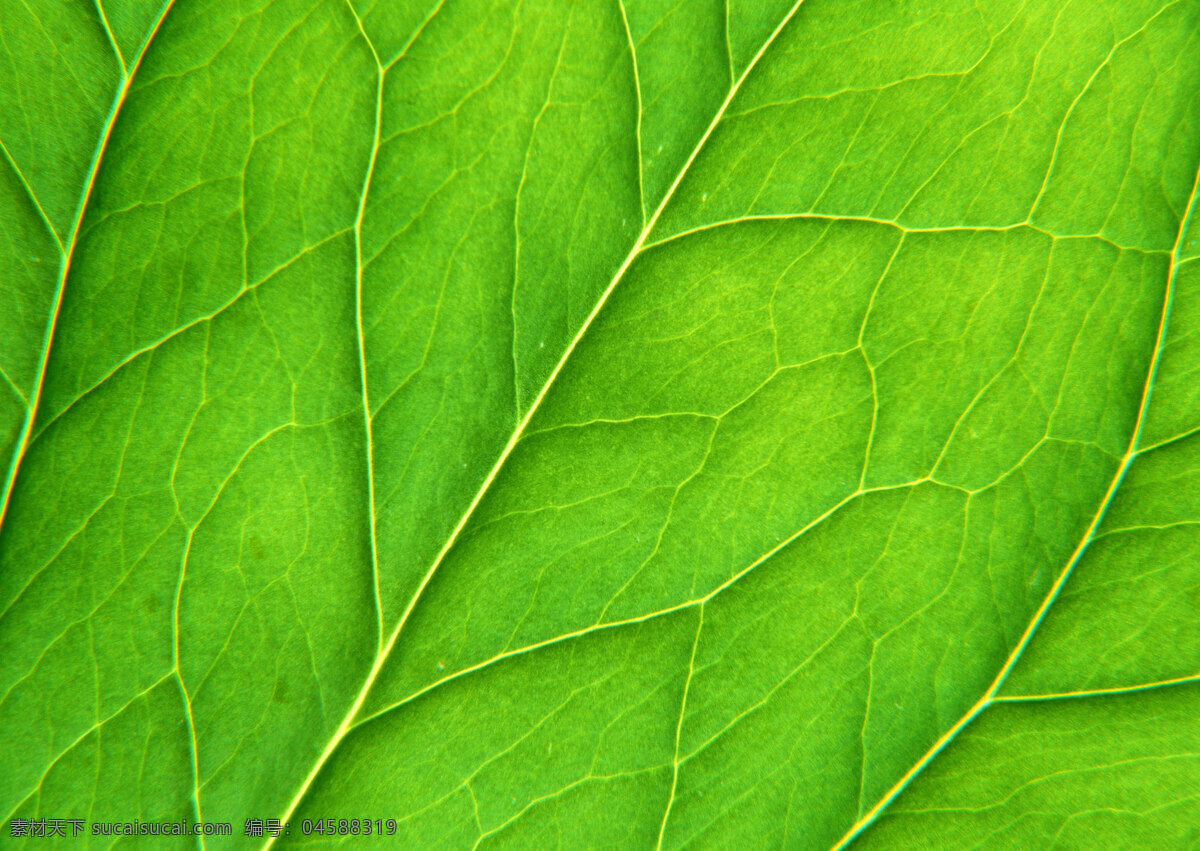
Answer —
(358, 317)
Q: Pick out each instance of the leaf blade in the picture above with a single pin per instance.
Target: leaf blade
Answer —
(907, 275)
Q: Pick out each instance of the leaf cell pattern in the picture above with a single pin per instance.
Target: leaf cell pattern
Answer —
(604, 422)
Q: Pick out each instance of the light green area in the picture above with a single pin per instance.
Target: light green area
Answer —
(577, 424)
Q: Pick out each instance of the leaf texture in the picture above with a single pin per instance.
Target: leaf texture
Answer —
(626, 423)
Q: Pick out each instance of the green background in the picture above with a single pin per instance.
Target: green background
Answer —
(599, 423)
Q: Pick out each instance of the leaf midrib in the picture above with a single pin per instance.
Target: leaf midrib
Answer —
(381, 657)
(67, 251)
(1131, 453)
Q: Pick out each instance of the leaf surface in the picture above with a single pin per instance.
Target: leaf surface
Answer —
(599, 423)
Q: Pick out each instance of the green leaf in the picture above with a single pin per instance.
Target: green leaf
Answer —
(726, 424)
